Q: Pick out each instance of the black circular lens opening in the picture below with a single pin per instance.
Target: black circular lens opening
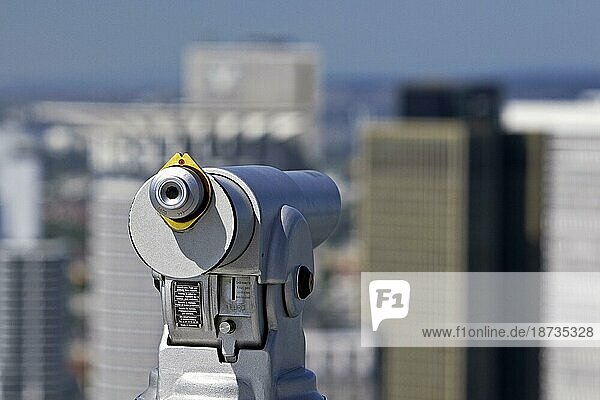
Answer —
(172, 192)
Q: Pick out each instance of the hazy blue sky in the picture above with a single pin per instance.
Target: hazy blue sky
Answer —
(121, 42)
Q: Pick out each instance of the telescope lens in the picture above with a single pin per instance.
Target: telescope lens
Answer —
(172, 192)
(176, 192)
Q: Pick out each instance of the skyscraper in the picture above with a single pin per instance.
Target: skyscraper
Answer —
(266, 88)
(414, 218)
(570, 225)
(439, 188)
(34, 328)
(125, 320)
(33, 292)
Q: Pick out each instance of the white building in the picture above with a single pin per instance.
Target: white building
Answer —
(33, 284)
(265, 87)
(571, 223)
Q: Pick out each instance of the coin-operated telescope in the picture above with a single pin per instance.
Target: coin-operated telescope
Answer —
(231, 251)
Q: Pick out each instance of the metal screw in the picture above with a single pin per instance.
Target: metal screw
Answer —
(227, 327)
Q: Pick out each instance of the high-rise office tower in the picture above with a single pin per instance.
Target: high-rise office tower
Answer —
(435, 198)
(269, 88)
(570, 225)
(124, 316)
(33, 290)
(414, 218)
(20, 186)
(34, 327)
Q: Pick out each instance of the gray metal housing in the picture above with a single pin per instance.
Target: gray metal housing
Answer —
(247, 264)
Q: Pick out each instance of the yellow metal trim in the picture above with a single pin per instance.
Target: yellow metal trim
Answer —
(186, 161)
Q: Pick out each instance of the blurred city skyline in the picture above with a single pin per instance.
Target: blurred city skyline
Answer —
(132, 46)
(463, 137)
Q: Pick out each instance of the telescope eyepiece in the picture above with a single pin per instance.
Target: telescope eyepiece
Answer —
(176, 192)
(172, 193)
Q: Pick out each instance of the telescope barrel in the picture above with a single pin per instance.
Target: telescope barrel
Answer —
(322, 196)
